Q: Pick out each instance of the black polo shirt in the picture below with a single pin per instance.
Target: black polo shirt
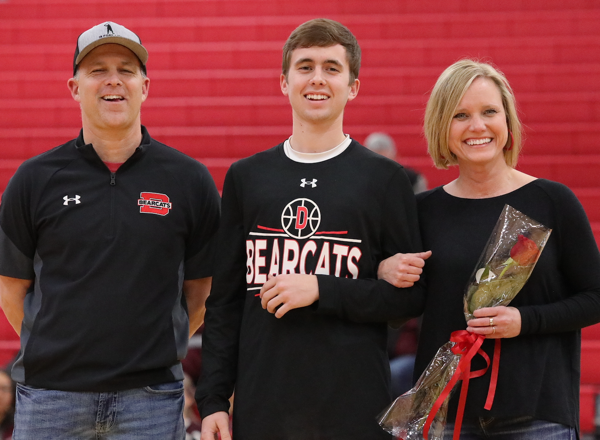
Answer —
(108, 253)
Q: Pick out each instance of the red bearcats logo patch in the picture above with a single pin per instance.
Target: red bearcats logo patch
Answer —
(154, 203)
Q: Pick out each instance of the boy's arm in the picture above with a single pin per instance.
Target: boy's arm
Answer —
(224, 308)
(367, 300)
(283, 293)
(403, 270)
(364, 300)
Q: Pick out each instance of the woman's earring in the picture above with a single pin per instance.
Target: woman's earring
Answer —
(512, 141)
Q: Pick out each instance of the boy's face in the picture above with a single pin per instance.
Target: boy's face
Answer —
(318, 84)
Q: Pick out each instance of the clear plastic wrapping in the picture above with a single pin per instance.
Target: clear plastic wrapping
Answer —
(504, 267)
(405, 418)
(508, 259)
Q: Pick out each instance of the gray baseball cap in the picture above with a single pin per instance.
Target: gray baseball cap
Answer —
(109, 32)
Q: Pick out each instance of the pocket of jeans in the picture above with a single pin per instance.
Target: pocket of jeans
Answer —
(166, 388)
(22, 386)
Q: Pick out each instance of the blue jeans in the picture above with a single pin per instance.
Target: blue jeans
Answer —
(401, 370)
(153, 412)
(517, 428)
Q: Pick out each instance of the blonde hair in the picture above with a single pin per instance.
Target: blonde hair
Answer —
(447, 93)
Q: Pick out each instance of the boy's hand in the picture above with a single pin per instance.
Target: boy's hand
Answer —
(215, 424)
(403, 270)
(282, 293)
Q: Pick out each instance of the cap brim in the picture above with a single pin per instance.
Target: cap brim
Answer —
(136, 48)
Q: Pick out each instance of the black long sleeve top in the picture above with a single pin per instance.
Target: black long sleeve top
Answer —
(319, 372)
(539, 369)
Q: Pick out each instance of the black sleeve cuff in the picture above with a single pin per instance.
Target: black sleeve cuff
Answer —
(528, 320)
(211, 405)
(329, 298)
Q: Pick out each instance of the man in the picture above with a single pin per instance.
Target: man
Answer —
(291, 323)
(105, 261)
(383, 144)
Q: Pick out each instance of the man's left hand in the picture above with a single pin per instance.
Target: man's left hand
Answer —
(282, 293)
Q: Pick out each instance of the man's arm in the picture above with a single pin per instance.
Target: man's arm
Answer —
(12, 298)
(196, 292)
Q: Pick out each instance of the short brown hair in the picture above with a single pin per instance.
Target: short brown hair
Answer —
(322, 32)
(447, 93)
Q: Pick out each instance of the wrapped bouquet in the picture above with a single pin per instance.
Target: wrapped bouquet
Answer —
(503, 269)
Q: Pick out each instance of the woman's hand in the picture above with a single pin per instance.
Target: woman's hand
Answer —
(496, 322)
(403, 270)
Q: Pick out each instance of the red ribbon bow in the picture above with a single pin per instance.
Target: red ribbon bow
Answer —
(466, 345)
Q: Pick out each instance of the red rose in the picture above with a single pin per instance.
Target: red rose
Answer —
(525, 252)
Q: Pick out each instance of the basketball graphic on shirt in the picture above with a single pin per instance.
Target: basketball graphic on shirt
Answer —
(301, 218)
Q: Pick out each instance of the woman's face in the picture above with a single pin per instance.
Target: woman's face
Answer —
(478, 131)
(6, 393)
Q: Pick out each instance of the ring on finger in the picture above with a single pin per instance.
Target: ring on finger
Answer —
(493, 329)
(491, 322)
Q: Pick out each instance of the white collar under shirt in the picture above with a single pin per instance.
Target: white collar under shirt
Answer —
(297, 156)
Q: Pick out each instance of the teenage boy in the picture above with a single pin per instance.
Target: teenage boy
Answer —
(105, 261)
(291, 323)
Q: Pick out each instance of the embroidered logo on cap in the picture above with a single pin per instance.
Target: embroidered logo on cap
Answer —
(154, 203)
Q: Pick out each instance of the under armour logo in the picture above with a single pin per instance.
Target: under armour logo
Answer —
(75, 199)
(312, 183)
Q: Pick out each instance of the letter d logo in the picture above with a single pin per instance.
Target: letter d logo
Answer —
(301, 217)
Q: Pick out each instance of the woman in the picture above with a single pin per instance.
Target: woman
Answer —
(471, 121)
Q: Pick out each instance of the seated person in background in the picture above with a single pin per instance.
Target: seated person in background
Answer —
(7, 405)
(191, 418)
(402, 349)
(383, 144)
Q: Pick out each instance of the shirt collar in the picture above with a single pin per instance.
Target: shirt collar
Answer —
(298, 156)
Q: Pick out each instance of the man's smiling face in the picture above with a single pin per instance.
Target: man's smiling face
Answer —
(110, 88)
(318, 84)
